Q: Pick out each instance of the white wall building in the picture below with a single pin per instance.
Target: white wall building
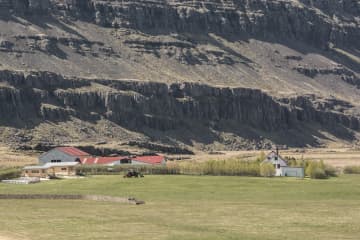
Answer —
(281, 167)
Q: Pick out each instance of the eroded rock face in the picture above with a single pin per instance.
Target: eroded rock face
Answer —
(316, 22)
(254, 44)
(345, 74)
(25, 6)
(301, 20)
(158, 106)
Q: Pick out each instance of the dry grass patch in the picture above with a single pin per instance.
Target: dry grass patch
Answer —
(337, 157)
(9, 158)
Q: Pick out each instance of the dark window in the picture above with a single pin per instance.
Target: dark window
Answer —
(55, 161)
(125, 161)
(43, 171)
(35, 171)
(276, 158)
(63, 169)
(277, 165)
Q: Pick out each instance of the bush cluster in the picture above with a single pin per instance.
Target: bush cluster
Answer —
(229, 167)
(267, 170)
(319, 170)
(9, 173)
(352, 170)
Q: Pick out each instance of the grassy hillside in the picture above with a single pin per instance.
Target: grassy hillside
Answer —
(184, 207)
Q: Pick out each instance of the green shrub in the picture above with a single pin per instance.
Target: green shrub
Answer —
(318, 173)
(10, 173)
(261, 157)
(311, 168)
(267, 170)
(330, 171)
(319, 170)
(352, 170)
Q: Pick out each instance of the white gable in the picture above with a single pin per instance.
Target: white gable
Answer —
(275, 159)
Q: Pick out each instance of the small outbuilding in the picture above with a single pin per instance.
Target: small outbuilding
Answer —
(50, 169)
(281, 167)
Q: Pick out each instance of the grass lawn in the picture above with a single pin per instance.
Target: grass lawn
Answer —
(188, 207)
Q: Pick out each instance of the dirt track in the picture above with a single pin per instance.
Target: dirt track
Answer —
(73, 197)
(8, 238)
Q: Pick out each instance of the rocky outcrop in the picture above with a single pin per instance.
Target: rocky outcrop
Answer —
(328, 112)
(345, 74)
(316, 22)
(255, 44)
(161, 148)
(139, 105)
(28, 7)
(334, 6)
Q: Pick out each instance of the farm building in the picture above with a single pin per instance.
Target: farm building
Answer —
(72, 154)
(281, 167)
(113, 161)
(50, 169)
(149, 160)
(110, 161)
(63, 154)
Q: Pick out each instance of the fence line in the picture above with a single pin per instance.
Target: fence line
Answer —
(101, 198)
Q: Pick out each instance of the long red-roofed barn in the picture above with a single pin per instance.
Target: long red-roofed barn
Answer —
(112, 161)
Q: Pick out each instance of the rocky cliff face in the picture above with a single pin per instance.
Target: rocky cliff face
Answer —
(25, 7)
(316, 22)
(28, 99)
(193, 72)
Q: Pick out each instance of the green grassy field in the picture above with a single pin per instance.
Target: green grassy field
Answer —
(188, 207)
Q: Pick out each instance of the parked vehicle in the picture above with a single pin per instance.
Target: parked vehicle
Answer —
(132, 173)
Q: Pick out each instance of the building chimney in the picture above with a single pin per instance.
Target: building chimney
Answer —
(277, 150)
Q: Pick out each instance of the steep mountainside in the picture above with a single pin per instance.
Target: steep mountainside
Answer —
(206, 75)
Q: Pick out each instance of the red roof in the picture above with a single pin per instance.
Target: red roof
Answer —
(73, 151)
(157, 159)
(108, 160)
(100, 160)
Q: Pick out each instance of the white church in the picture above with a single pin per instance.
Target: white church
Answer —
(281, 167)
